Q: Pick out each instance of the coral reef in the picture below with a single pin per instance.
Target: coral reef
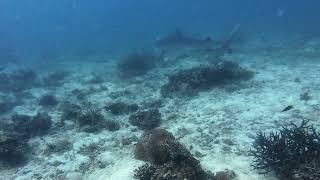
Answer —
(225, 175)
(91, 120)
(147, 119)
(289, 152)
(28, 126)
(96, 79)
(112, 125)
(305, 96)
(138, 63)
(57, 146)
(167, 158)
(70, 111)
(308, 171)
(191, 81)
(48, 100)
(121, 108)
(55, 79)
(13, 150)
(91, 150)
(40, 124)
(7, 103)
(17, 81)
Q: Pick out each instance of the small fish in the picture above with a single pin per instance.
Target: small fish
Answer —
(287, 108)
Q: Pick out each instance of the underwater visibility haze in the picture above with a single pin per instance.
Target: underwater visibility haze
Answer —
(159, 90)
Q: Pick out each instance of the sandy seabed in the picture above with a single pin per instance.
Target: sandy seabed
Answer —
(217, 126)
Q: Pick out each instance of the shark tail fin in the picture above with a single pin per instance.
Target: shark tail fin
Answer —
(232, 35)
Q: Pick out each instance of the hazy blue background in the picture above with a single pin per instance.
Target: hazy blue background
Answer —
(50, 27)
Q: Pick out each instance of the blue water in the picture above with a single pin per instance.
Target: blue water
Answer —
(33, 27)
(88, 77)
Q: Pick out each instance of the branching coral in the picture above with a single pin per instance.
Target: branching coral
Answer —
(287, 151)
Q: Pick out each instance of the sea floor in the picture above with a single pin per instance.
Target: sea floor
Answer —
(218, 126)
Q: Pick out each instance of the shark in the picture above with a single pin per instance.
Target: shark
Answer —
(178, 40)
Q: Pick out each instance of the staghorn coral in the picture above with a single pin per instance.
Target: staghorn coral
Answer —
(286, 152)
(191, 81)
